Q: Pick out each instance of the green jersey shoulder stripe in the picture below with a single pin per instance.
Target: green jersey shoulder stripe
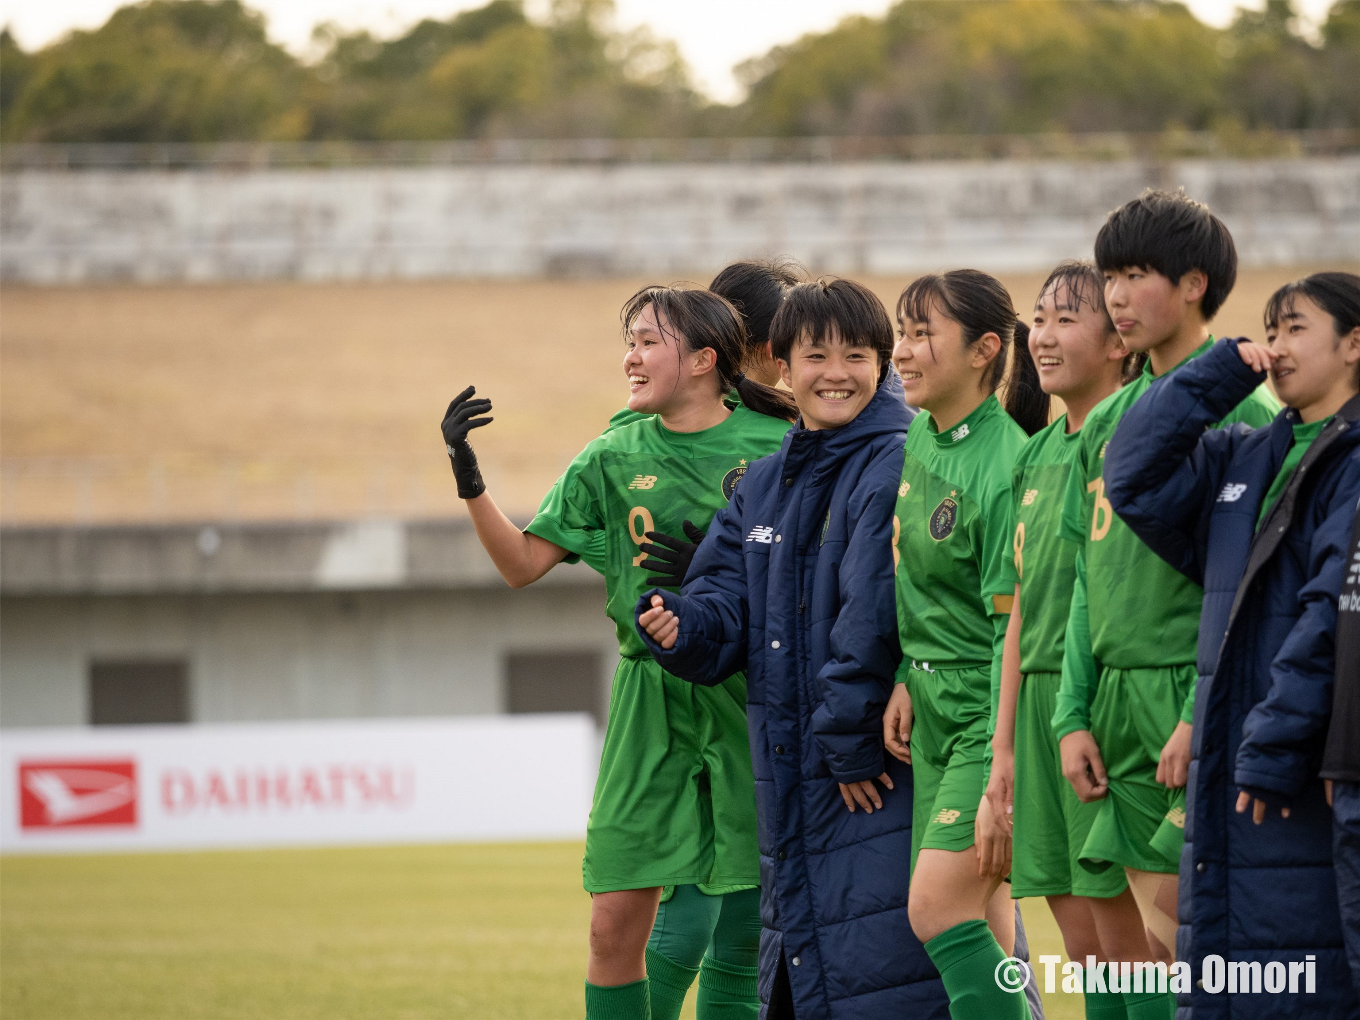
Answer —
(641, 477)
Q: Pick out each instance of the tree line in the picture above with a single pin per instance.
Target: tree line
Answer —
(205, 70)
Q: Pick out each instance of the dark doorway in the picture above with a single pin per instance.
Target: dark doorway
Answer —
(129, 692)
(555, 682)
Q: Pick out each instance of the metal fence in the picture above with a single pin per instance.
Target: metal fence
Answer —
(265, 155)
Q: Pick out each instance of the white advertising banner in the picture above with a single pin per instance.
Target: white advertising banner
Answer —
(309, 783)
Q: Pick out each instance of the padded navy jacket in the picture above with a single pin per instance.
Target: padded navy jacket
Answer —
(794, 584)
(1266, 659)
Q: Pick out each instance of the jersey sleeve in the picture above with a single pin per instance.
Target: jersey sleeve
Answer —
(995, 550)
(1009, 573)
(1080, 671)
(570, 515)
(1074, 497)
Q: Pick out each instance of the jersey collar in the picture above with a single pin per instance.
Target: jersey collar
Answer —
(1147, 365)
(960, 432)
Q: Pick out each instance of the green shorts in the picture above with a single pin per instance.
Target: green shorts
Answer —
(950, 709)
(1140, 824)
(675, 799)
(1051, 824)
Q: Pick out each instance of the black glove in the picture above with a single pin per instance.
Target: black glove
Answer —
(669, 558)
(459, 420)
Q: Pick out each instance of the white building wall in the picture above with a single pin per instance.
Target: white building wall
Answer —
(282, 656)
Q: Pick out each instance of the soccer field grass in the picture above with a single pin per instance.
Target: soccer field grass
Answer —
(487, 932)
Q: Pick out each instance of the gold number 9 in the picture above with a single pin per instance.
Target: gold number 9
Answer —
(639, 534)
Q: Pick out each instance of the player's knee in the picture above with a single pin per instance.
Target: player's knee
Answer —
(615, 933)
(926, 912)
(1081, 944)
(608, 938)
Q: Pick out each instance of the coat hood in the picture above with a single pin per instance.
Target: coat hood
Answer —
(886, 413)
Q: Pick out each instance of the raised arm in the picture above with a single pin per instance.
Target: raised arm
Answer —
(521, 558)
(1163, 470)
(864, 645)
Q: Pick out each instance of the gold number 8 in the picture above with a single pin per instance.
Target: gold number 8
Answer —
(1019, 546)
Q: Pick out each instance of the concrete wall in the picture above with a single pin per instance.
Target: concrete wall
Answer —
(307, 620)
(278, 656)
(535, 220)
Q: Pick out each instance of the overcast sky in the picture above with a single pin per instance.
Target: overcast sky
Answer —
(714, 35)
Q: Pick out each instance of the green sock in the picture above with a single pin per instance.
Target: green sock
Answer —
(1149, 1005)
(967, 956)
(667, 982)
(1105, 1006)
(618, 1002)
(727, 991)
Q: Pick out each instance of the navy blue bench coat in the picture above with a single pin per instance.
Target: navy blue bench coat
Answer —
(1266, 659)
(794, 584)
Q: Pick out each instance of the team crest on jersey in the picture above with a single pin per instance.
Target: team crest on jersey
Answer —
(730, 480)
(943, 519)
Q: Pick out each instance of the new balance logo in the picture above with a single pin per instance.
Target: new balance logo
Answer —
(959, 433)
(1349, 602)
(1029, 497)
(947, 817)
(642, 482)
(1231, 493)
(761, 534)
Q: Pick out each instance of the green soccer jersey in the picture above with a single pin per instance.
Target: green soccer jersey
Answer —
(951, 535)
(1303, 438)
(1044, 560)
(1142, 612)
(623, 417)
(642, 477)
